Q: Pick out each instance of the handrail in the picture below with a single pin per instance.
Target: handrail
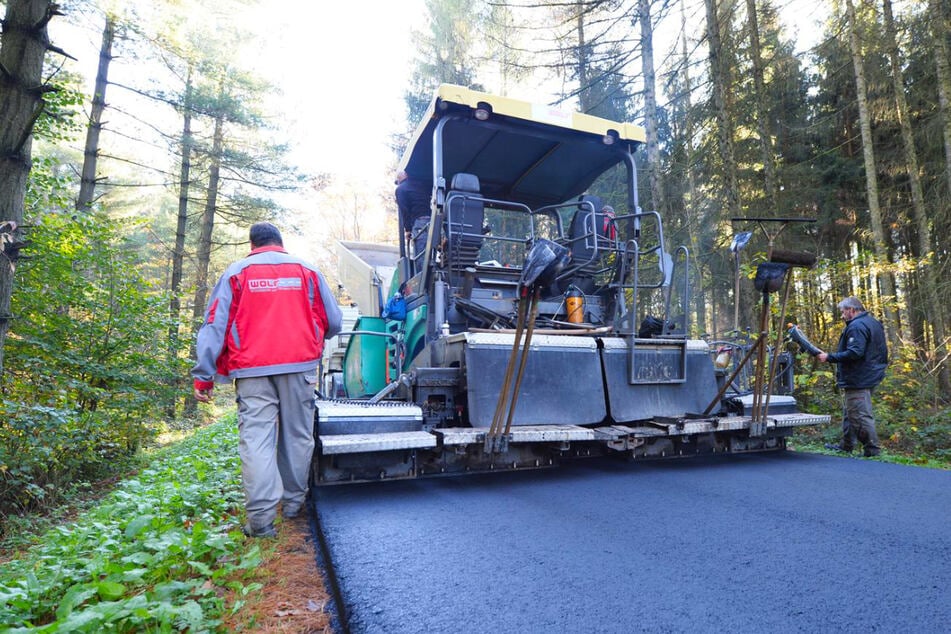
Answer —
(368, 332)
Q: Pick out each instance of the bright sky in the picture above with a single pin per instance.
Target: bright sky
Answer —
(340, 69)
(343, 68)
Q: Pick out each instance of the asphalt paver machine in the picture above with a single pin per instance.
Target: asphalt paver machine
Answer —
(542, 318)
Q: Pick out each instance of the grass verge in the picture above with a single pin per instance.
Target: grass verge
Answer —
(815, 441)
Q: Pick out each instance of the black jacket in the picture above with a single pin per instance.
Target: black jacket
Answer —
(862, 355)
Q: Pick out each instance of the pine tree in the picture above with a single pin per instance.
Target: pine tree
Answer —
(23, 47)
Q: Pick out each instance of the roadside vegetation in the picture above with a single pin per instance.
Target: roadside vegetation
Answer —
(162, 551)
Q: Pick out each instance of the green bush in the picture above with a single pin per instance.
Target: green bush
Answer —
(85, 370)
(44, 451)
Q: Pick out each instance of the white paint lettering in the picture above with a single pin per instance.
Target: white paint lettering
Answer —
(266, 285)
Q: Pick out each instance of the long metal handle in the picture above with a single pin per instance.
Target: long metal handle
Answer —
(779, 338)
(496, 428)
(533, 314)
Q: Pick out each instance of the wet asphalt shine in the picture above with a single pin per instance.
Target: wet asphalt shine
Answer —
(779, 542)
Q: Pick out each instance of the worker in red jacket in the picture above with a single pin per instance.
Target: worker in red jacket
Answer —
(265, 326)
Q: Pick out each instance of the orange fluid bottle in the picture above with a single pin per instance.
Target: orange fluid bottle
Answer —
(574, 305)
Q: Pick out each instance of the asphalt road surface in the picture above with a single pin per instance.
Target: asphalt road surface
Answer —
(784, 542)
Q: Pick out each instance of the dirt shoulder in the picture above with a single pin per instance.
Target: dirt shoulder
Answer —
(293, 597)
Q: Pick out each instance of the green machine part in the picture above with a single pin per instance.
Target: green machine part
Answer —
(366, 363)
(376, 358)
(414, 333)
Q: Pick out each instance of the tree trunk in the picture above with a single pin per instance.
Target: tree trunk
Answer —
(886, 280)
(208, 223)
(584, 88)
(204, 241)
(721, 86)
(87, 183)
(691, 220)
(720, 79)
(650, 104)
(178, 255)
(943, 71)
(762, 113)
(23, 46)
(933, 308)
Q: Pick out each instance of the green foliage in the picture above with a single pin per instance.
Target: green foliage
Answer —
(59, 122)
(44, 449)
(88, 326)
(448, 53)
(156, 555)
(84, 368)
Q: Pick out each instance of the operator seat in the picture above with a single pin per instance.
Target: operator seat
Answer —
(582, 235)
(590, 235)
(465, 217)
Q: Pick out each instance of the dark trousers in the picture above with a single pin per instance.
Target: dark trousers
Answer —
(858, 422)
(419, 234)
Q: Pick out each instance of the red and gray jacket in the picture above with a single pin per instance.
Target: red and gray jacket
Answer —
(268, 314)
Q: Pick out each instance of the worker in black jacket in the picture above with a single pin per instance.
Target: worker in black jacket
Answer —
(413, 200)
(862, 357)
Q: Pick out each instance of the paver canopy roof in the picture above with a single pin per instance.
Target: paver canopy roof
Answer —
(523, 152)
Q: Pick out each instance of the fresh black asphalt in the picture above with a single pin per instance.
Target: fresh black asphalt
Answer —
(786, 542)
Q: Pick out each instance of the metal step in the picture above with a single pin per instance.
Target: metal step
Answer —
(362, 417)
(778, 403)
(364, 443)
(798, 419)
(686, 426)
(353, 443)
(614, 432)
(519, 434)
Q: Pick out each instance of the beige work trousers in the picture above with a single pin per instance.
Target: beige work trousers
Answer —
(276, 433)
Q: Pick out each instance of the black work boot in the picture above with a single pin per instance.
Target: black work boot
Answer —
(839, 448)
(290, 512)
(265, 531)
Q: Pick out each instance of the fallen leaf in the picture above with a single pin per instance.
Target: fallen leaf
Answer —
(287, 613)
